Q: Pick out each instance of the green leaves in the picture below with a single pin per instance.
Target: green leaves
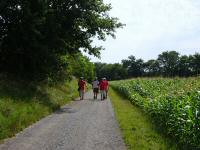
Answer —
(174, 105)
(36, 34)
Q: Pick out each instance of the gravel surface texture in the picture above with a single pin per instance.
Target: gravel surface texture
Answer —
(82, 125)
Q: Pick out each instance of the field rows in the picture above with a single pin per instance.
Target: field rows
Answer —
(174, 105)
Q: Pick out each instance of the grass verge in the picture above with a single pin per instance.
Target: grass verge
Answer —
(138, 131)
(22, 104)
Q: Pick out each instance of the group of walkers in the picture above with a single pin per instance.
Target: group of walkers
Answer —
(97, 85)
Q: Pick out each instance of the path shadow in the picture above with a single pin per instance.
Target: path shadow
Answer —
(65, 110)
(95, 100)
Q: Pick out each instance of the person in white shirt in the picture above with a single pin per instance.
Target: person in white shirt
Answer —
(95, 87)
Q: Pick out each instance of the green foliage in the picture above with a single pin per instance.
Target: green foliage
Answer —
(35, 35)
(195, 63)
(169, 61)
(22, 103)
(135, 67)
(138, 131)
(152, 68)
(82, 67)
(168, 64)
(174, 105)
(110, 71)
(184, 66)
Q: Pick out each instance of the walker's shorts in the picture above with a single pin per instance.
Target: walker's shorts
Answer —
(96, 90)
(103, 93)
(81, 93)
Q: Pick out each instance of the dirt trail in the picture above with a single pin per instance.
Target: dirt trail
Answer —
(82, 125)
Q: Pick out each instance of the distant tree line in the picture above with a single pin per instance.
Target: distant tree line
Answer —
(167, 64)
(40, 38)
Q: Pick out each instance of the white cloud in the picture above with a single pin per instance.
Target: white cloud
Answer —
(153, 26)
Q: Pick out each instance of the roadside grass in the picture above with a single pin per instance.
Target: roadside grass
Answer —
(22, 104)
(138, 131)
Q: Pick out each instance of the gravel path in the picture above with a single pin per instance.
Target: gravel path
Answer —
(82, 125)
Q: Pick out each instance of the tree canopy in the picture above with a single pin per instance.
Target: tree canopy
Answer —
(168, 64)
(36, 35)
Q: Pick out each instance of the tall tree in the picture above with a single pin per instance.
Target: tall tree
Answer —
(152, 68)
(195, 63)
(135, 67)
(35, 35)
(184, 65)
(169, 61)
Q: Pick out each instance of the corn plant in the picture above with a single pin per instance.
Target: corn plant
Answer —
(174, 105)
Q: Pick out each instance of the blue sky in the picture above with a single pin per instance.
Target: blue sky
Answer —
(152, 26)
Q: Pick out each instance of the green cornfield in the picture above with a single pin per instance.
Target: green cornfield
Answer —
(173, 104)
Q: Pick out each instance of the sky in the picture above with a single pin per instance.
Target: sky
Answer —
(152, 26)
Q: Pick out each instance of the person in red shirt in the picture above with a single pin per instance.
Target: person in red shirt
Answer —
(81, 87)
(106, 87)
(102, 86)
